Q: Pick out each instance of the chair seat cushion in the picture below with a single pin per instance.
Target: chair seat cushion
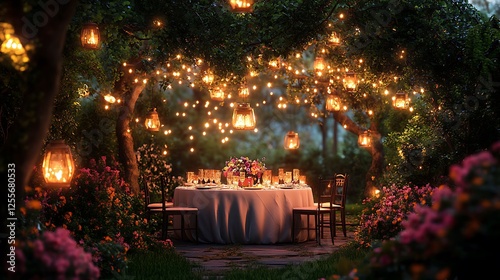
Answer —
(327, 205)
(310, 209)
(159, 205)
(178, 210)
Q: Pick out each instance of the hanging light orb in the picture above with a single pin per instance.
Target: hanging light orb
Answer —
(152, 121)
(400, 101)
(243, 117)
(333, 103)
(350, 81)
(241, 6)
(364, 139)
(292, 141)
(58, 165)
(217, 94)
(90, 36)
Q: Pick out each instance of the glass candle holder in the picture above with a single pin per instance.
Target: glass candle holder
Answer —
(288, 177)
(296, 175)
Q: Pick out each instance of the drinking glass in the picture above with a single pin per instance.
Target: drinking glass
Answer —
(267, 176)
(288, 177)
(200, 176)
(216, 176)
(242, 177)
(275, 180)
(302, 179)
(296, 175)
(229, 177)
(281, 175)
(190, 177)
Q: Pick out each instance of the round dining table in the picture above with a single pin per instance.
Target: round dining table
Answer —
(245, 215)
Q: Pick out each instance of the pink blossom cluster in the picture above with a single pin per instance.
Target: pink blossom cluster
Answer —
(57, 255)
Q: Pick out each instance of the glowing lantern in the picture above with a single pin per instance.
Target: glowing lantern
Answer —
(244, 92)
(400, 101)
(319, 65)
(364, 139)
(334, 39)
(217, 94)
(208, 78)
(90, 36)
(350, 81)
(243, 117)
(292, 140)
(152, 121)
(241, 6)
(58, 166)
(333, 103)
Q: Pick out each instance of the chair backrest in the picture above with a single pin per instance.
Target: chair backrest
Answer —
(324, 191)
(339, 189)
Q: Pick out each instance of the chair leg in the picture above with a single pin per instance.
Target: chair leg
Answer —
(182, 227)
(308, 226)
(342, 213)
(334, 222)
(293, 227)
(164, 226)
(332, 225)
(317, 227)
(196, 226)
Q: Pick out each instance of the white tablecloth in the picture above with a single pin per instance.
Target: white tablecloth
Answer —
(245, 216)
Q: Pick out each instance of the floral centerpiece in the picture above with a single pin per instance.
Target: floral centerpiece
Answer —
(235, 165)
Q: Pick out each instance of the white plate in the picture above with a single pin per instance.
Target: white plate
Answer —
(286, 187)
(204, 187)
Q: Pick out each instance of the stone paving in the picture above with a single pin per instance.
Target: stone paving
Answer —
(215, 258)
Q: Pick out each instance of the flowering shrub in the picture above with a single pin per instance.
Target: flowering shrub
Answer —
(152, 166)
(101, 212)
(457, 237)
(244, 164)
(382, 216)
(55, 255)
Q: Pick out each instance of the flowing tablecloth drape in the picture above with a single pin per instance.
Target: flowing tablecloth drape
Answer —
(245, 216)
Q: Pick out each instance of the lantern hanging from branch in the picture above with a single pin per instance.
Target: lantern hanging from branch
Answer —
(152, 121)
(241, 6)
(400, 101)
(292, 141)
(58, 165)
(319, 65)
(208, 78)
(334, 39)
(217, 94)
(365, 139)
(350, 81)
(243, 117)
(244, 92)
(333, 102)
(90, 36)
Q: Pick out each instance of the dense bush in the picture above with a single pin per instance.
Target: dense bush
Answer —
(383, 214)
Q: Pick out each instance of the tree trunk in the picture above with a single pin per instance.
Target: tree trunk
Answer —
(324, 137)
(42, 79)
(124, 138)
(377, 166)
(335, 148)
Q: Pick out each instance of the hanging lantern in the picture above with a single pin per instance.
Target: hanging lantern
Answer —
(364, 139)
(333, 103)
(152, 122)
(58, 166)
(217, 94)
(208, 78)
(292, 141)
(90, 36)
(319, 65)
(400, 101)
(334, 39)
(243, 117)
(241, 6)
(350, 81)
(244, 92)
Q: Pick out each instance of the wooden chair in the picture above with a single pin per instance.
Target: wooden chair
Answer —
(336, 202)
(173, 211)
(316, 211)
(153, 205)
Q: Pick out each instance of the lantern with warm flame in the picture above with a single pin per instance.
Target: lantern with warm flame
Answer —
(58, 166)
(217, 94)
(292, 140)
(90, 36)
(333, 102)
(152, 121)
(400, 101)
(244, 92)
(319, 65)
(208, 78)
(334, 39)
(241, 6)
(243, 117)
(350, 81)
(364, 139)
